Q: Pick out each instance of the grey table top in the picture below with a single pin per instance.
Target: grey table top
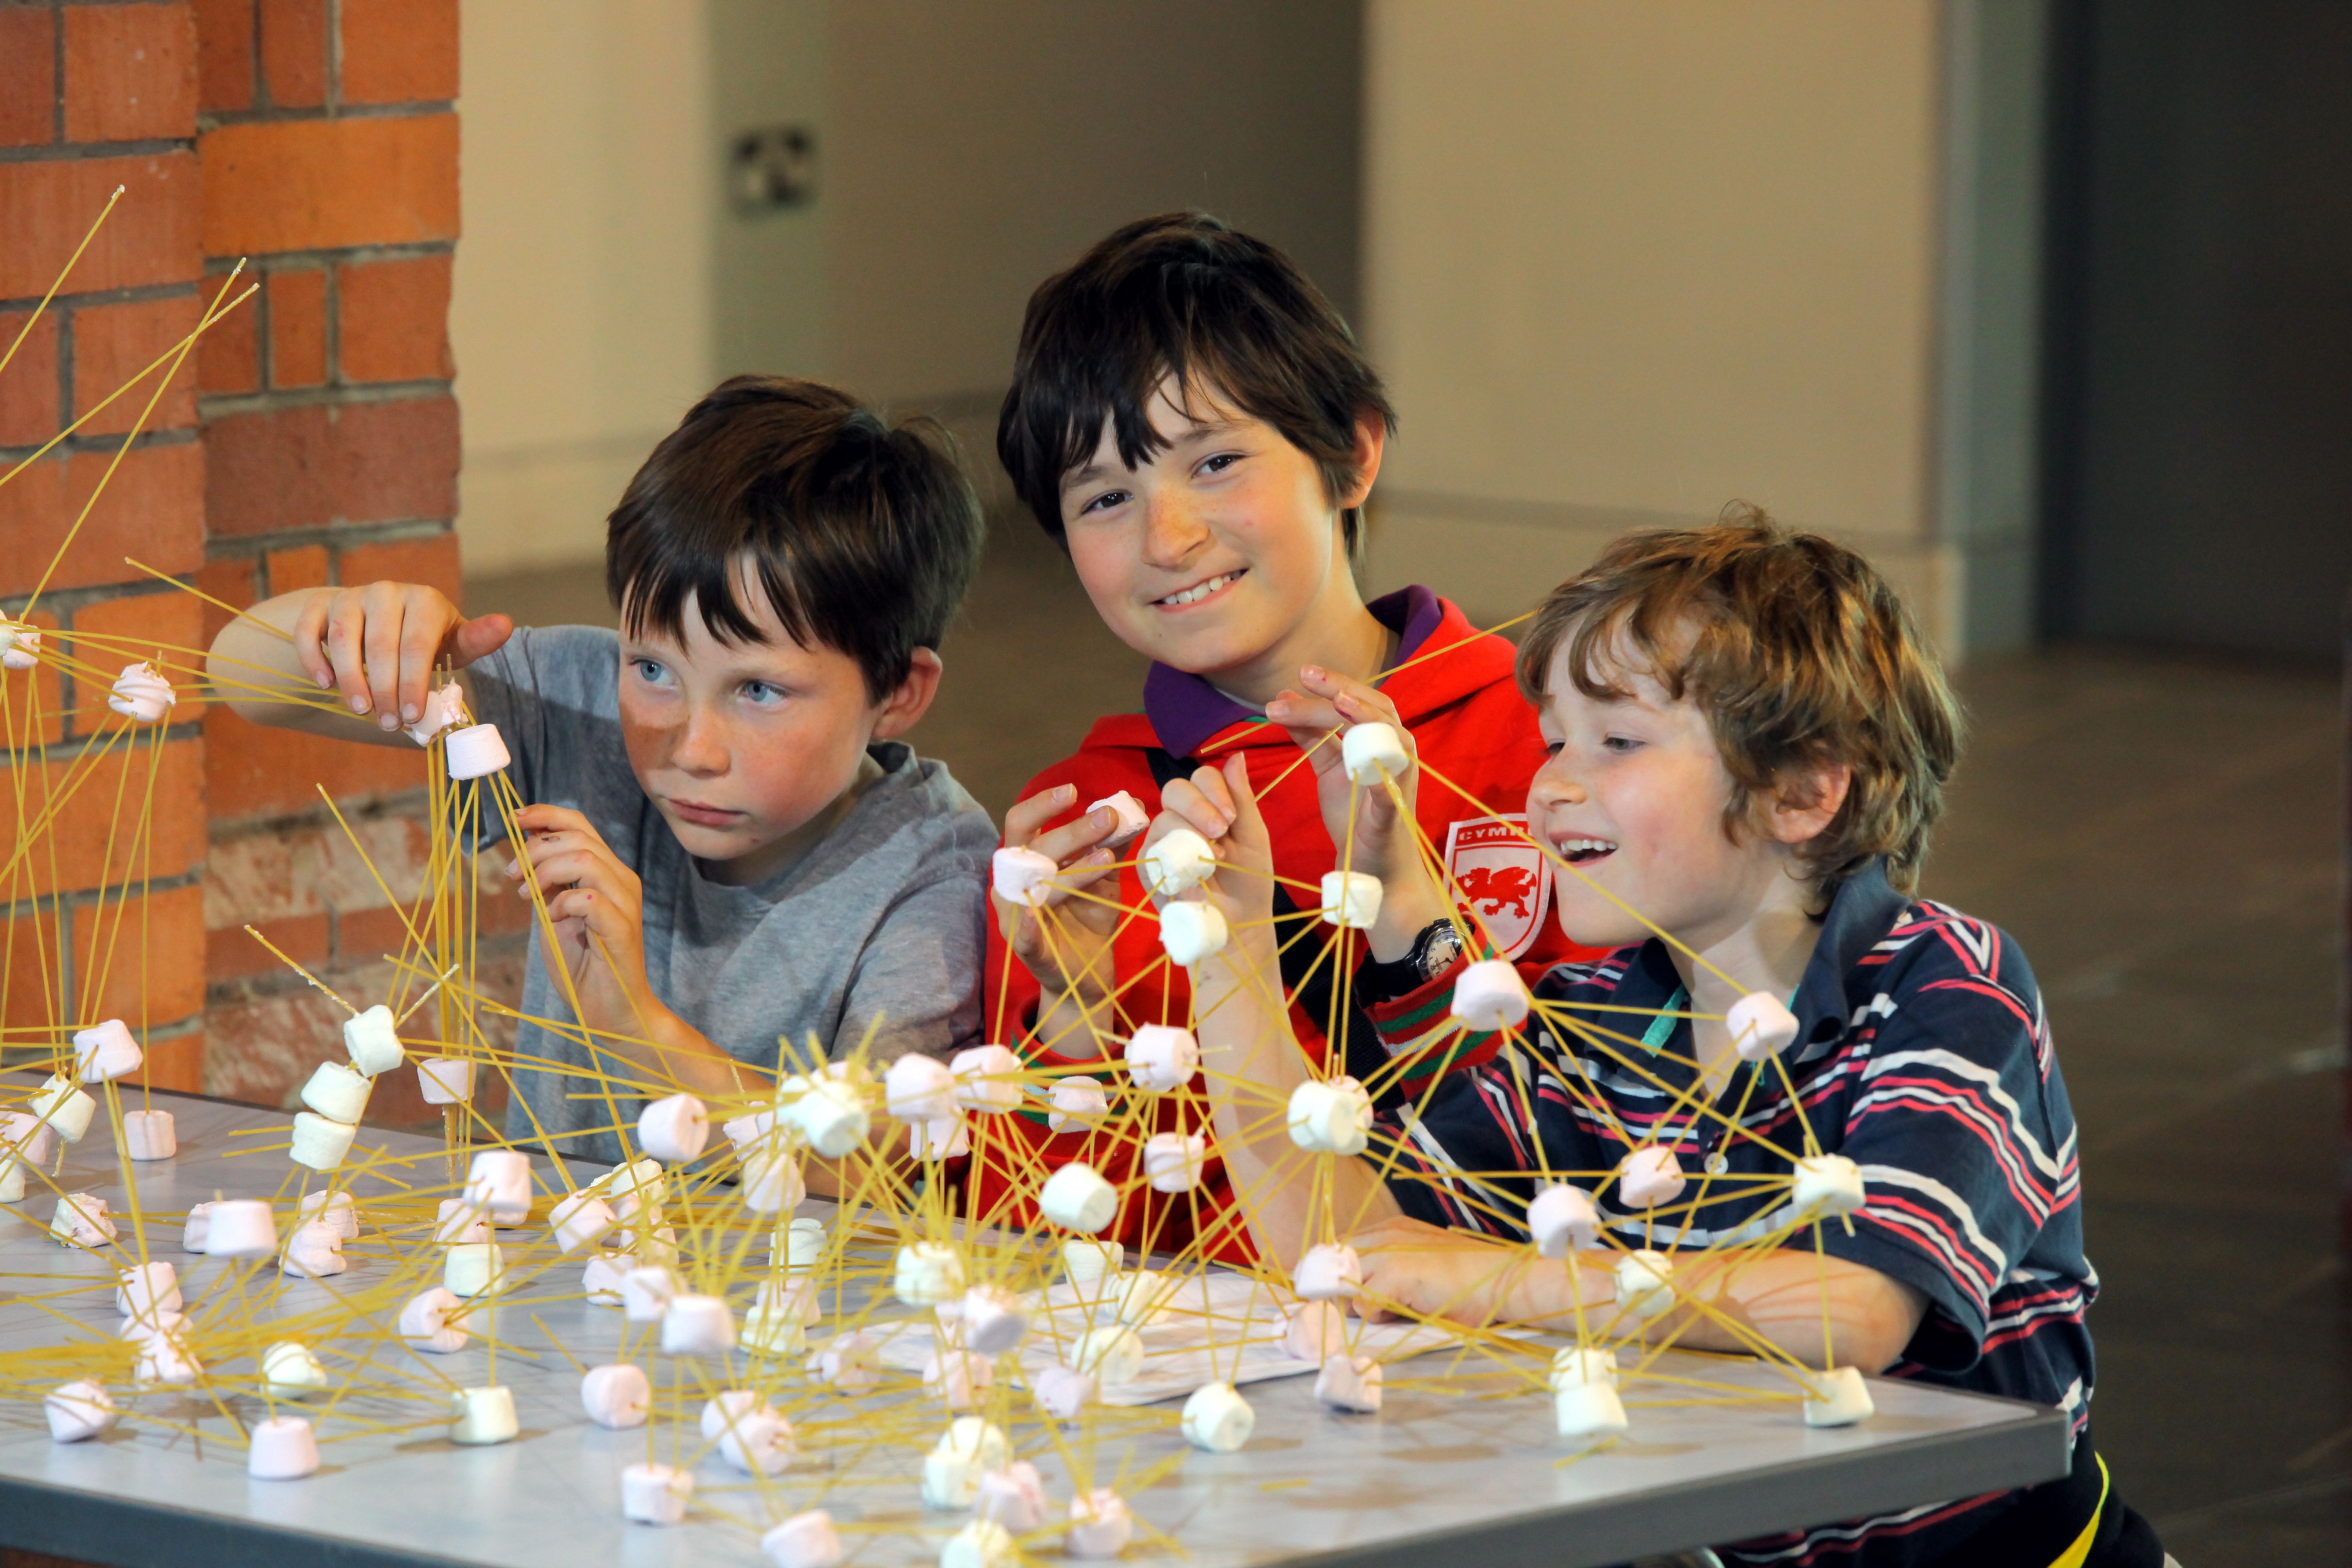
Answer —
(1432, 1470)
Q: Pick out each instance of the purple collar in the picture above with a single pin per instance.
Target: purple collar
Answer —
(1185, 710)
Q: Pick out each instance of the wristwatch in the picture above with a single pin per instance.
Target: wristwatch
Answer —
(1432, 954)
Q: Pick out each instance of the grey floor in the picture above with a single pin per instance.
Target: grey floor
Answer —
(2161, 835)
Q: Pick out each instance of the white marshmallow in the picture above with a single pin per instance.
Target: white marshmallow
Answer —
(1649, 1176)
(1089, 1262)
(79, 1411)
(804, 1540)
(1588, 1411)
(1645, 1286)
(1112, 1354)
(165, 1361)
(20, 645)
(1014, 1497)
(987, 1079)
(1827, 1184)
(313, 1251)
(482, 1416)
(1316, 1332)
(958, 1378)
(372, 1042)
(1351, 898)
(919, 1089)
(1100, 1525)
(802, 1244)
(1077, 1100)
(583, 1219)
(141, 695)
(639, 1184)
(1372, 752)
(773, 1332)
(442, 707)
(460, 1221)
(969, 1449)
(942, 1138)
(1191, 933)
(995, 1320)
(773, 1182)
(319, 1143)
(1572, 1365)
(1132, 818)
(675, 1129)
(62, 1108)
(1562, 1218)
(289, 1370)
(696, 1325)
(150, 1135)
(81, 1220)
(982, 1543)
(1838, 1397)
(1161, 1058)
(338, 1093)
(654, 1494)
(845, 1363)
(147, 1289)
(107, 1052)
(12, 1177)
(1217, 1418)
(499, 1181)
(1172, 1160)
(281, 1448)
(1178, 863)
(761, 1444)
(425, 1322)
(754, 1134)
(473, 1268)
(1334, 1118)
(926, 1273)
(1761, 1025)
(237, 1227)
(1146, 1296)
(830, 1114)
(1329, 1272)
(1064, 1394)
(723, 1410)
(645, 1292)
(33, 1140)
(1489, 995)
(445, 1081)
(600, 1280)
(476, 751)
(1076, 1197)
(1350, 1383)
(1021, 876)
(335, 1208)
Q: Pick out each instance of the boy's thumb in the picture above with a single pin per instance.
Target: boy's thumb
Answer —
(1237, 784)
(476, 638)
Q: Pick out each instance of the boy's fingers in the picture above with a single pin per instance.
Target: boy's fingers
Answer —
(309, 634)
(1211, 785)
(1183, 801)
(379, 646)
(1075, 838)
(420, 644)
(1026, 816)
(345, 626)
(478, 638)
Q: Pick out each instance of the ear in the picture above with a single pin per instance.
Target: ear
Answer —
(905, 706)
(1371, 441)
(1808, 801)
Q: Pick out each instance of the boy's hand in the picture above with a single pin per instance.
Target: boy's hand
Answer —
(380, 644)
(597, 905)
(1455, 1275)
(1219, 805)
(1073, 958)
(1372, 827)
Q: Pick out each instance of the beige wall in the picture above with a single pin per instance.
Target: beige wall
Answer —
(1626, 262)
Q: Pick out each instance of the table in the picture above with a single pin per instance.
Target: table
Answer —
(1480, 1478)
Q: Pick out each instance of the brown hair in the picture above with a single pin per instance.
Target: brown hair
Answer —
(1799, 654)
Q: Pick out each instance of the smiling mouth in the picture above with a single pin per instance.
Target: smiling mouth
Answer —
(1585, 851)
(1196, 593)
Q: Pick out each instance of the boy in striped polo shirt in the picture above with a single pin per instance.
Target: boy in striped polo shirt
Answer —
(1748, 745)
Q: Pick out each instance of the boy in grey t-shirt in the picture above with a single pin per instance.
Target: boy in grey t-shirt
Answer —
(733, 844)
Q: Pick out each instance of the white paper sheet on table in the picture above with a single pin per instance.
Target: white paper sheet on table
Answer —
(1176, 1345)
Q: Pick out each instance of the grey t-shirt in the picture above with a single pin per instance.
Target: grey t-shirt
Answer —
(881, 917)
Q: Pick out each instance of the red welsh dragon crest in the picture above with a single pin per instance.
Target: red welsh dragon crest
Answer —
(1499, 878)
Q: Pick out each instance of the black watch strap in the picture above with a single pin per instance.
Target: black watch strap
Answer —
(1432, 954)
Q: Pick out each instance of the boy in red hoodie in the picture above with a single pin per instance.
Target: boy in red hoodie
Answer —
(1193, 423)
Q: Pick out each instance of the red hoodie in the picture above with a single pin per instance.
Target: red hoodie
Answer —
(1456, 693)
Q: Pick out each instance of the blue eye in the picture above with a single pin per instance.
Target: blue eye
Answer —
(761, 692)
(648, 670)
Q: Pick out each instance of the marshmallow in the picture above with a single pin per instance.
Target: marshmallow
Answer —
(926, 1273)
(1827, 1184)
(1350, 1383)
(1588, 1410)
(20, 645)
(1561, 1218)
(959, 1378)
(1178, 863)
(1014, 1497)
(600, 1280)
(1191, 933)
(338, 1093)
(920, 1088)
(1489, 995)
(829, 1113)
(1372, 752)
(1161, 1058)
(79, 1411)
(941, 1139)
(804, 1541)
(654, 1494)
(771, 1331)
(1334, 1118)
(1649, 1176)
(236, 1227)
(457, 1221)
(995, 1321)
(1064, 1394)
(1761, 1025)
(473, 1268)
(164, 1360)
(107, 1052)
(291, 1371)
(370, 1040)
(675, 1129)
(845, 1363)
(1145, 1296)
(1572, 1365)
(982, 1543)
(499, 1180)
(150, 1135)
(475, 751)
(445, 1081)
(12, 1177)
(645, 1292)
(281, 1448)
(1328, 1273)
(482, 1416)
(968, 1449)
(759, 1444)
(1076, 1197)
(802, 1244)
(1088, 1262)
(81, 1220)
(319, 1143)
(1316, 1332)
(1217, 1418)
(985, 1079)
(1643, 1284)
(425, 1322)
(1837, 1397)
(754, 1134)
(1076, 1100)
(580, 1220)
(1112, 1354)
(1100, 1525)
(314, 1251)
(1132, 818)
(696, 1325)
(147, 1289)
(1172, 1160)
(771, 1183)
(33, 1139)
(1021, 876)
(723, 1410)
(442, 709)
(141, 695)
(1351, 898)
(58, 1105)
(334, 1206)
